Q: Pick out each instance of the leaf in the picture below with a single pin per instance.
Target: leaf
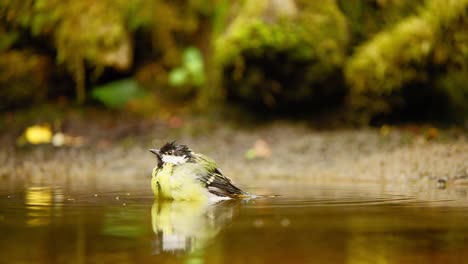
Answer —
(192, 70)
(178, 77)
(193, 61)
(38, 134)
(117, 94)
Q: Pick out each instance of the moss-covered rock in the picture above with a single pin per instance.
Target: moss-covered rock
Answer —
(23, 78)
(450, 56)
(282, 52)
(367, 18)
(103, 40)
(81, 32)
(409, 56)
(89, 37)
(387, 62)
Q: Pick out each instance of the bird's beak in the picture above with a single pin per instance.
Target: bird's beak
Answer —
(155, 152)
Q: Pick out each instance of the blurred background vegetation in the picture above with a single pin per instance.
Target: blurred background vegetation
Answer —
(367, 60)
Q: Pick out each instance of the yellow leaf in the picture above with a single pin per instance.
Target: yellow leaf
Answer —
(38, 134)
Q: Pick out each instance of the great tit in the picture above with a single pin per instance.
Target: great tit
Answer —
(181, 174)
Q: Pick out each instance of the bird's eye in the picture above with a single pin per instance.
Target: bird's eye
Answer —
(169, 152)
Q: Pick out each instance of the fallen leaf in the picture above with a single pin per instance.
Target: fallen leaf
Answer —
(260, 149)
(38, 134)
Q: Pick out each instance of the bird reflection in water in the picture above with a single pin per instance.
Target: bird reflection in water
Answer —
(185, 226)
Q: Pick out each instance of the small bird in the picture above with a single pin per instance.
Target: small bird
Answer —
(182, 174)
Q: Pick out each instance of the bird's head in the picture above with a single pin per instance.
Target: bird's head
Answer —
(173, 153)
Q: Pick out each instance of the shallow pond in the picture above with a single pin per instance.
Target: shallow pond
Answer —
(299, 224)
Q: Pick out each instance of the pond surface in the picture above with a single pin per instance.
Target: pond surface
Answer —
(303, 224)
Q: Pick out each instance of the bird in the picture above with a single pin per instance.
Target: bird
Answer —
(182, 174)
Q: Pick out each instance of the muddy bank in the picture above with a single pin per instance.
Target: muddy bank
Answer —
(398, 157)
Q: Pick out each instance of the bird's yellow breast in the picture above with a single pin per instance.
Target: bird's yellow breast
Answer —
(175, 183)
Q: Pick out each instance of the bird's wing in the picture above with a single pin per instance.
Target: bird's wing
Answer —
(214, 179)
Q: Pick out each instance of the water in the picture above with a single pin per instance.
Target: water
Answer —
(304, 224)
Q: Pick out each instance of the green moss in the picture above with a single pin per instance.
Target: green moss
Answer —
(389, 59)
(415, 51)
(307, 31)
(367, 18)
(89, 36)
(277, 51)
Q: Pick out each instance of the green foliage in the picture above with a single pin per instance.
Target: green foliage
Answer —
(191, 72)
(118, 93)
(178, 77)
